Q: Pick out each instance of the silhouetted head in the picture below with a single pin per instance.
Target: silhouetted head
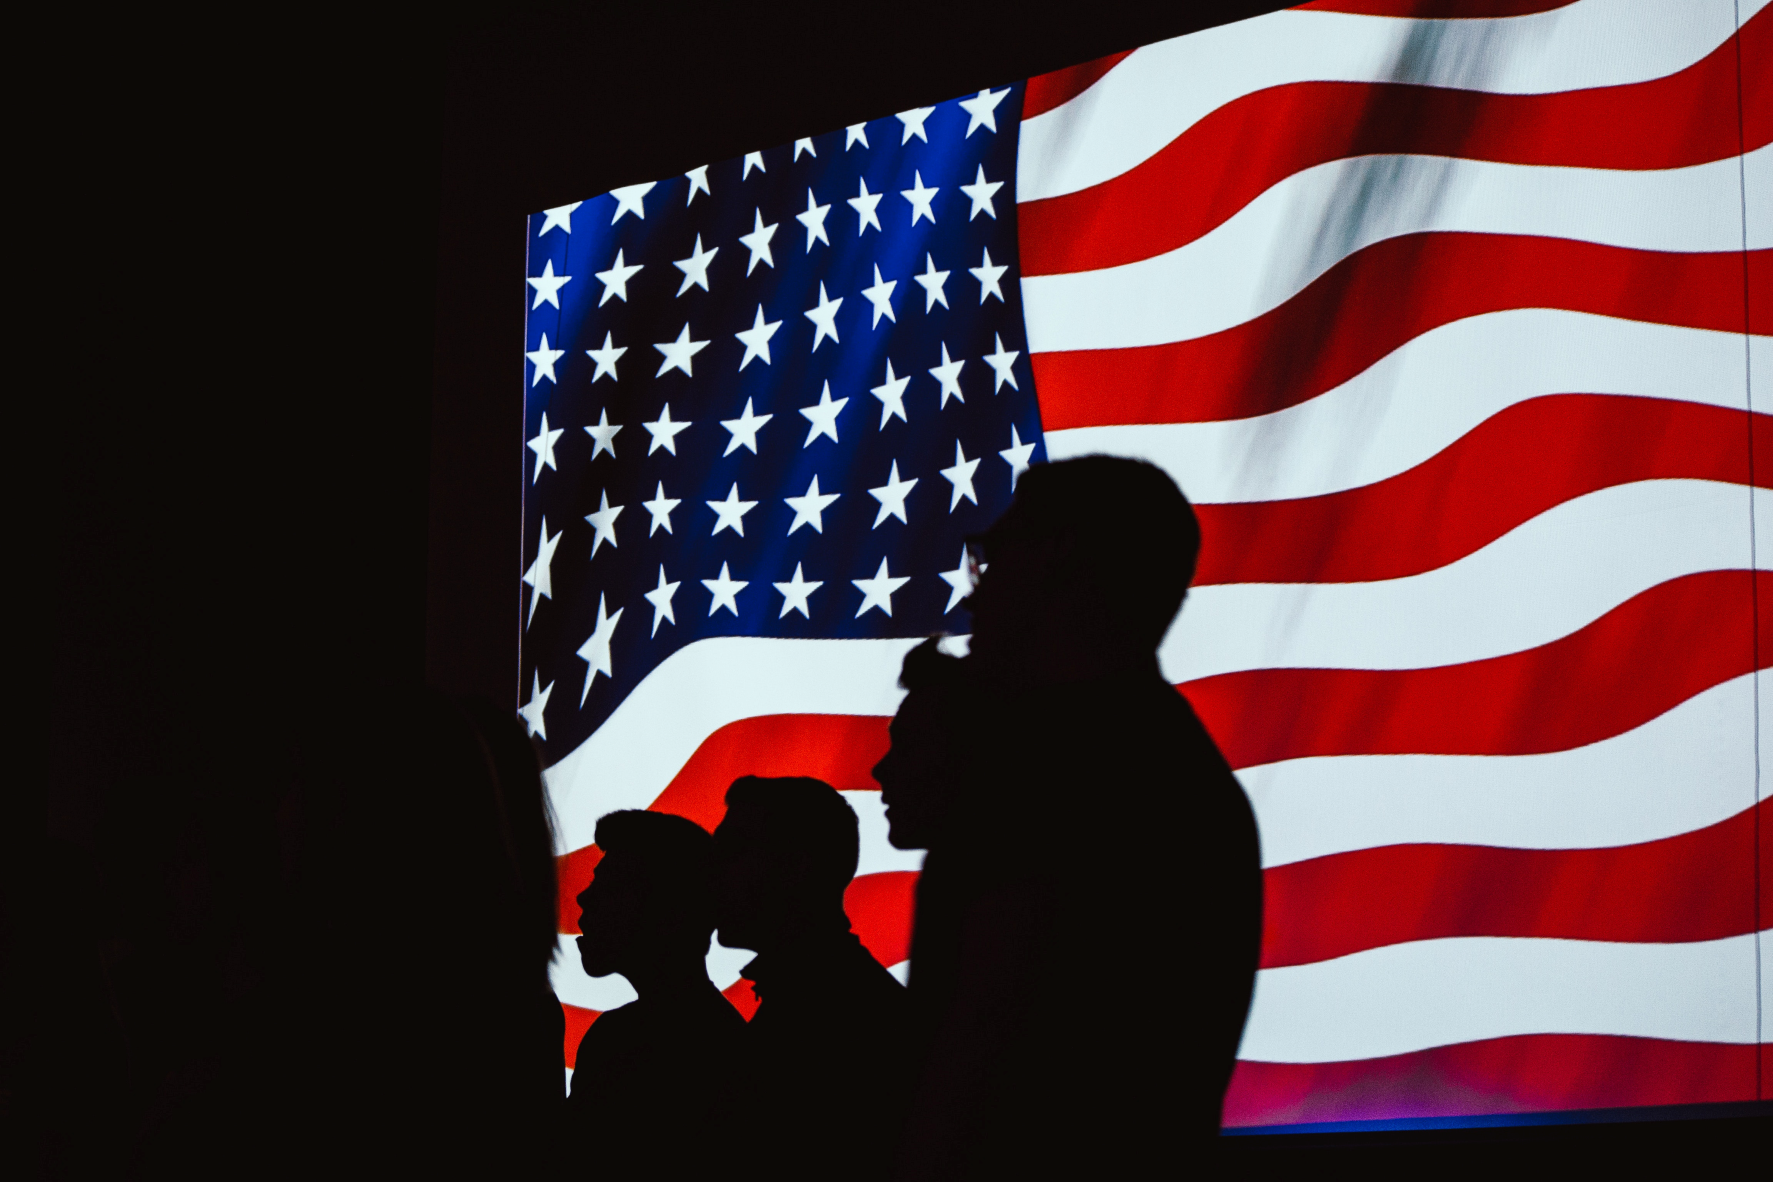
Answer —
(651, 898)
(1084, 572)
(783, 855)
(921, 774)
(471, 796)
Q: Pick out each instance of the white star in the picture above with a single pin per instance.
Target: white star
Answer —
(660, 507)
(920, 199)
(541, 585)
(543, 446)
(604, 522)
(814, 221)
(631, 199)
(595, 651)
(615, 280)
(548, 286)
(605, 435)
(1016, 455)
(744, 429)
(959, 580)
(863, 203)
(805, 145)
(881, 296)
(698, 179)
(855, 133)
(795, 594)
(891, 496)
(823, 417)
(660, 598)
(531, 712)
(932, 281)
(544, 359)
(988, 275)
(810, 509)
(606, 359)
(752, 160)
(558, 218)
(677, 354)
(892, 396)
(824, 317)
(724, 589)
(1000, 363)
(913, 121)
(878, 591)
(758, 242)
(948, 373)
(756, 339)
(983, 109)
(695, 268)
(664, 432)
(980, 192)
(961, 477)
(731, 512)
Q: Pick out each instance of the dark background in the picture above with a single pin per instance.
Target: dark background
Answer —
(281, 399)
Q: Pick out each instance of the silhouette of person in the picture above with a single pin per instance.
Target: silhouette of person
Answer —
(825, 1049)
(459, 1068)
(650, 1075)
(1090, 912)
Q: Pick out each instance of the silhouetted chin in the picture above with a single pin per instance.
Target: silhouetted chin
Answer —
(588, 959)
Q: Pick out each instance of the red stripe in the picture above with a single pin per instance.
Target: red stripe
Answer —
(1646, 656)
(577, 1022)
(1510, 468)
(880, 907)
(1046, 91)
(1524, 1073)
(1259, 139)
(1437, 9)
(840, 749)
(1697, 886)
(1375, 300)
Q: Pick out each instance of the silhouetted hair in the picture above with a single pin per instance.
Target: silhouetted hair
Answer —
(1135, 531)
(809, 818)
(674, 859)
(928, 668)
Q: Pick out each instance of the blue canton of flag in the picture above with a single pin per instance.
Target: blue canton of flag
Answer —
(770, 397)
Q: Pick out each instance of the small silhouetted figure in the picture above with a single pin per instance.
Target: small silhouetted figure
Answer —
(825, 1085)
(650, 1075)
(1090, 912)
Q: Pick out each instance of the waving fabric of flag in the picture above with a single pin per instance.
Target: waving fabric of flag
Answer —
(1447, 315)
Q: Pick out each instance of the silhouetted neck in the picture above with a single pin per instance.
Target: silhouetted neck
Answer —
(669, 979)
(808, 955)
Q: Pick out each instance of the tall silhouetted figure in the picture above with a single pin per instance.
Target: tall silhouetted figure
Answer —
(1090, 913)
(650, 1076)
(825, 1082)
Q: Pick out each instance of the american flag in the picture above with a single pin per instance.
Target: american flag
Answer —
(1439, 311)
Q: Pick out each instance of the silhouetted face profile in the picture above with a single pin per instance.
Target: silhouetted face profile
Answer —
(920, 773)
(1084, 572)
(649, 906)
(610, 916)
(783, 855)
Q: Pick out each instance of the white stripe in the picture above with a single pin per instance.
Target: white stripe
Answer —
(1277, 244)
(574, 987)
(1423, 397)
(1541, 581)
(697, 690)
(1430, 993)
(1161, 90)
(1691, 767)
